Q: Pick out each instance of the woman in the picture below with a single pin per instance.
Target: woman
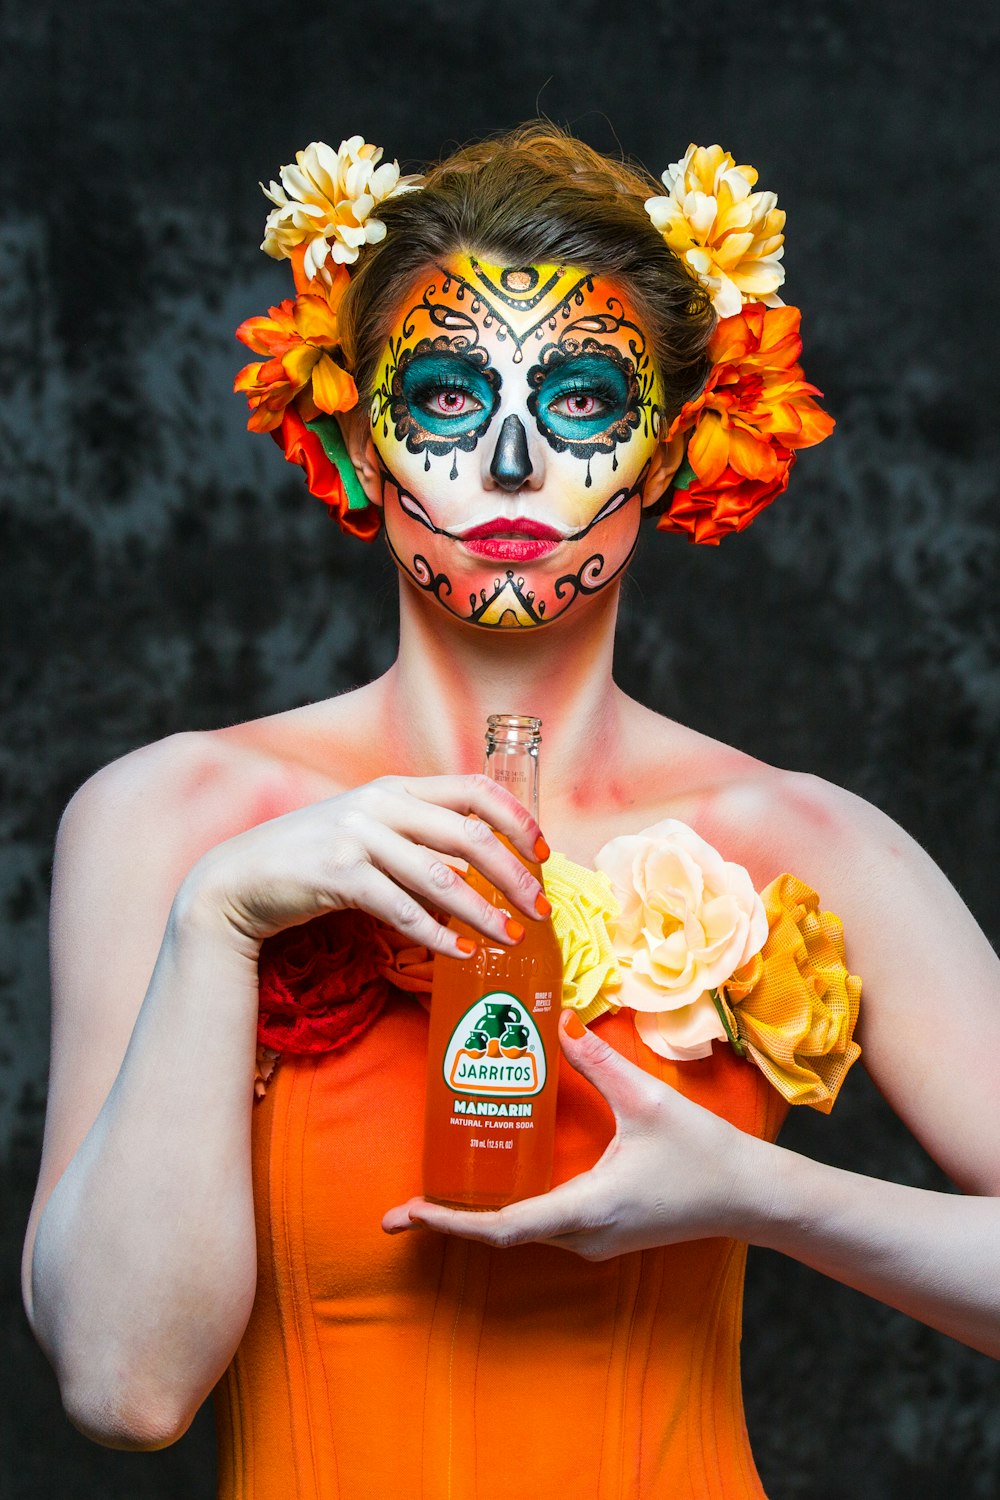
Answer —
(515, 350)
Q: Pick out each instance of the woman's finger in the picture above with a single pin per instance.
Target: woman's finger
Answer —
(429, 878)
(626, 1088)
(562, 1211)
(468, 837)
(483, 796)
(375, 893)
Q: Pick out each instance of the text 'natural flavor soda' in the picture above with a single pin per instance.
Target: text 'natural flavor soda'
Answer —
(492, 1066)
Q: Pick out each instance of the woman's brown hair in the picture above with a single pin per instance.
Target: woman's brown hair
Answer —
(535, 195)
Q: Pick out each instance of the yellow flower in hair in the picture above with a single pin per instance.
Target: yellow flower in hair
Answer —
(730, 236)
(326, 199)
(583, 905)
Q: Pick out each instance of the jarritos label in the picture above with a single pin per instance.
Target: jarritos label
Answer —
(495, 1051)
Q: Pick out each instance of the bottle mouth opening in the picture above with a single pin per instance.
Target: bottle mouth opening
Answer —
(513, 729)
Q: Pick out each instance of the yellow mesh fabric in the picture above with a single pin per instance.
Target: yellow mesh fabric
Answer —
(794, 1005)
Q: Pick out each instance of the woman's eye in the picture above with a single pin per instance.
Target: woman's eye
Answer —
(448, 395)
(452, 403)
(578, 404)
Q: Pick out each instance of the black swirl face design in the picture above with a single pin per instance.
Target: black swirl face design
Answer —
(591, 386)
(507, 598)
(441, 392)
(514, 418)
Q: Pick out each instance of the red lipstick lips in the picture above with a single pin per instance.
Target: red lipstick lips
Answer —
(518, 540)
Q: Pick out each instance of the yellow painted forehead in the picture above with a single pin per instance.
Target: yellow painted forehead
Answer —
(523, 297)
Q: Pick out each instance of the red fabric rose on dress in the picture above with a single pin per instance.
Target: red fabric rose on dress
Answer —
(321, 984)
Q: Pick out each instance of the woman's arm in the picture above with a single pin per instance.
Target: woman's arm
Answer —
(139, 1263)
(929, 1254)
(931, 1038)
(930, 1035)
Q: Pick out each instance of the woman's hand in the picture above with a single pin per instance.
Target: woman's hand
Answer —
(674, 1171)
(378, 847)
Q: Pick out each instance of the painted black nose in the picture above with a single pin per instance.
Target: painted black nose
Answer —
(511, 465)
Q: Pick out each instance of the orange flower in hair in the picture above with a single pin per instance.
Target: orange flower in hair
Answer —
(298, 337)
(744, 428)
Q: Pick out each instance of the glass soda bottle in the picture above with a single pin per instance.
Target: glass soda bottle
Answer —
(493, 1048)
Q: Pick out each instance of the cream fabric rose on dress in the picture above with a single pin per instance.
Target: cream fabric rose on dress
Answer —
(688, 919)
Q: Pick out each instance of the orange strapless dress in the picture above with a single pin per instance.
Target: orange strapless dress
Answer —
(421, 1366)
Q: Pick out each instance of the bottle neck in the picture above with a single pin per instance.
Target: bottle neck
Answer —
(512, 757)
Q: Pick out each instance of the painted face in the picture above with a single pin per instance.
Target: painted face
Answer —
(515, 415)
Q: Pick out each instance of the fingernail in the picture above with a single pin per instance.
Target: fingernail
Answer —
(542, 850)
(543, 905)
(572, 1025)
(465, 945)
(514, 930)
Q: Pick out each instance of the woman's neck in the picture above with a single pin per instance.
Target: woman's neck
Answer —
(449, 676)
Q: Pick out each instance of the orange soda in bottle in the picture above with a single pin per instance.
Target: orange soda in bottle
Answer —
(493, 1048)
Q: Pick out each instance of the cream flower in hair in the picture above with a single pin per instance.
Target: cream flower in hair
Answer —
(325, 200)
(730, 236)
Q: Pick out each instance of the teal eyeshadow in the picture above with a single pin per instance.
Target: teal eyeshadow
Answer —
(592, 375)
(428, 374)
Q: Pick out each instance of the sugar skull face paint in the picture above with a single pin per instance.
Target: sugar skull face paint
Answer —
(516, 415)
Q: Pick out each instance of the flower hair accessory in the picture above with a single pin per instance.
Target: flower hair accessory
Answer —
(322, 219)
(325, 202)
(756, 410)
(730, 236)
(742, 431)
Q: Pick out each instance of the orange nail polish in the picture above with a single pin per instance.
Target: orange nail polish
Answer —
(514, 930)
(543, 905)
(465, 945)
(573, 1026)
(542, 850)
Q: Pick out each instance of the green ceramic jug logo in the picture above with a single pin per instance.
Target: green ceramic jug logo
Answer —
(496, 1050)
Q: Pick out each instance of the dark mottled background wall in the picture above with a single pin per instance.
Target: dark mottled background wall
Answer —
(163, 570)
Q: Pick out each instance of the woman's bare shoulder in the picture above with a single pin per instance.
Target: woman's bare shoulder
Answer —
(194, 773)
(762, 815)
(774, 821)
(302, 753)
(191, 790)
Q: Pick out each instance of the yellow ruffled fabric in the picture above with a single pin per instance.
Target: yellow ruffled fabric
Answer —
(582, 905)
(794, 1005)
